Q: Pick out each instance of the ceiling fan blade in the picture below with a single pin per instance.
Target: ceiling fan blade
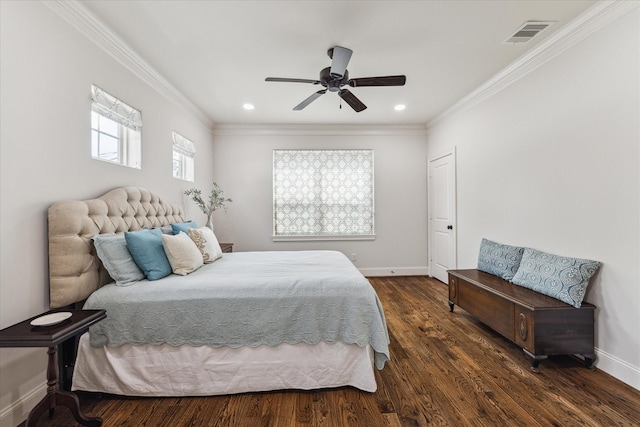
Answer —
(351, 99)
(309, 100)
(284, 79)
(378, 81)
(340, 57)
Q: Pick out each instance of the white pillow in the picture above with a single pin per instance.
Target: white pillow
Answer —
(207, 242)
(184, 256)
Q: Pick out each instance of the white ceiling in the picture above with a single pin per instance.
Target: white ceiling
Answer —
(218, 53)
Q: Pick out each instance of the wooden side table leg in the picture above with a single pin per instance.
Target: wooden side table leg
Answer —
(37, 412)
(55, 397)
(71, 401)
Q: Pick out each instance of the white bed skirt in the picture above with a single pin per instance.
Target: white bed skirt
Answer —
(147, 370)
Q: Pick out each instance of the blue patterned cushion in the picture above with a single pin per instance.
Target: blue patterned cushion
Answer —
(148, 253)
(182, 226)
(562, 278)
(499, 260)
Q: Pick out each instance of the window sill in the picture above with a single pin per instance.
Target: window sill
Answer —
(137, 166)
(316, 238)
(183, 179)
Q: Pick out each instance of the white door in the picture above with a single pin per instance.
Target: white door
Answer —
(442, 214)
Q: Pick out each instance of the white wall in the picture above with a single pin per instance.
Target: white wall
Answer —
(243, 167)
(553, 162)
(47, 68)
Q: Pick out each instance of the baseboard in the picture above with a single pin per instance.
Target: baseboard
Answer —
(395, 271)
(18, 411)
(618, 368)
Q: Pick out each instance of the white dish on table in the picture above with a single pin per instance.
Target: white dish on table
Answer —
(51, 319)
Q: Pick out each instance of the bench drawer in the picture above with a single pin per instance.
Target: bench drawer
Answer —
(496, 313)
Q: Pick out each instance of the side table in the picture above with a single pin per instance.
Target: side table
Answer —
(24, 334)
(226, 247)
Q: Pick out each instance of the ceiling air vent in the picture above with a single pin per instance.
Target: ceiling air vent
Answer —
(527, 31)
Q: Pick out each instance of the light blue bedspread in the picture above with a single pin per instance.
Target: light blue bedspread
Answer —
(248, 298)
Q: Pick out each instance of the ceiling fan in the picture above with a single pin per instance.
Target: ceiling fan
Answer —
(335, 77)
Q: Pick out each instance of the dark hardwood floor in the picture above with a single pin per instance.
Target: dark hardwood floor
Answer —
(446, 369)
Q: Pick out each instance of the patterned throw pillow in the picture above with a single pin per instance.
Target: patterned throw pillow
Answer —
(559, 277)
(500, 260)
(207, 242)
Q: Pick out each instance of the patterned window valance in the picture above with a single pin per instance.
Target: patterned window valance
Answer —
(183, 145)
(109, 106)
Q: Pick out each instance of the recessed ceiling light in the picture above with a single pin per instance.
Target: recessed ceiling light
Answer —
(399, 107)
(248, 106)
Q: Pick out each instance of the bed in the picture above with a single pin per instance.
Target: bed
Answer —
(248, 321)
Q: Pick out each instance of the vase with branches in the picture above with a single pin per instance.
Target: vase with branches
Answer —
(216, 201)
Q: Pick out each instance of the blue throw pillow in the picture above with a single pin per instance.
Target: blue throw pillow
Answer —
(116, 258)
(498, 259)
(562, 278)
(147, 251)
(177, 228)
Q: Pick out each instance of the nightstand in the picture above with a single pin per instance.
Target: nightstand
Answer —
(226, 247)
(50, 334)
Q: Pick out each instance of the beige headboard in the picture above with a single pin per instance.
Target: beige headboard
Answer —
(74, 269)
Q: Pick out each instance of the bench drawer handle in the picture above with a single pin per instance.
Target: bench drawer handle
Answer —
(522, 330)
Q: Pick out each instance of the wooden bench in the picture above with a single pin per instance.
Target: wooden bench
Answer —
(541, 325)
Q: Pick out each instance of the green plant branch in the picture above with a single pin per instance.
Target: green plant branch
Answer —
(215, 202)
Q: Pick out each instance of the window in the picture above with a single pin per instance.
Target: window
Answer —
(184, 152)
(116, 130)
(323, 194)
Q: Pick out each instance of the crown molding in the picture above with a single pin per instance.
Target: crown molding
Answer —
(79, 17)
(593, 19)
(326, 129)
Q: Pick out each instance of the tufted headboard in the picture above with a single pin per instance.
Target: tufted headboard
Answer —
(75, 271)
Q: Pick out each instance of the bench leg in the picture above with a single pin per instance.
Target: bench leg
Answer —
(535, 360)
(588, 361)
